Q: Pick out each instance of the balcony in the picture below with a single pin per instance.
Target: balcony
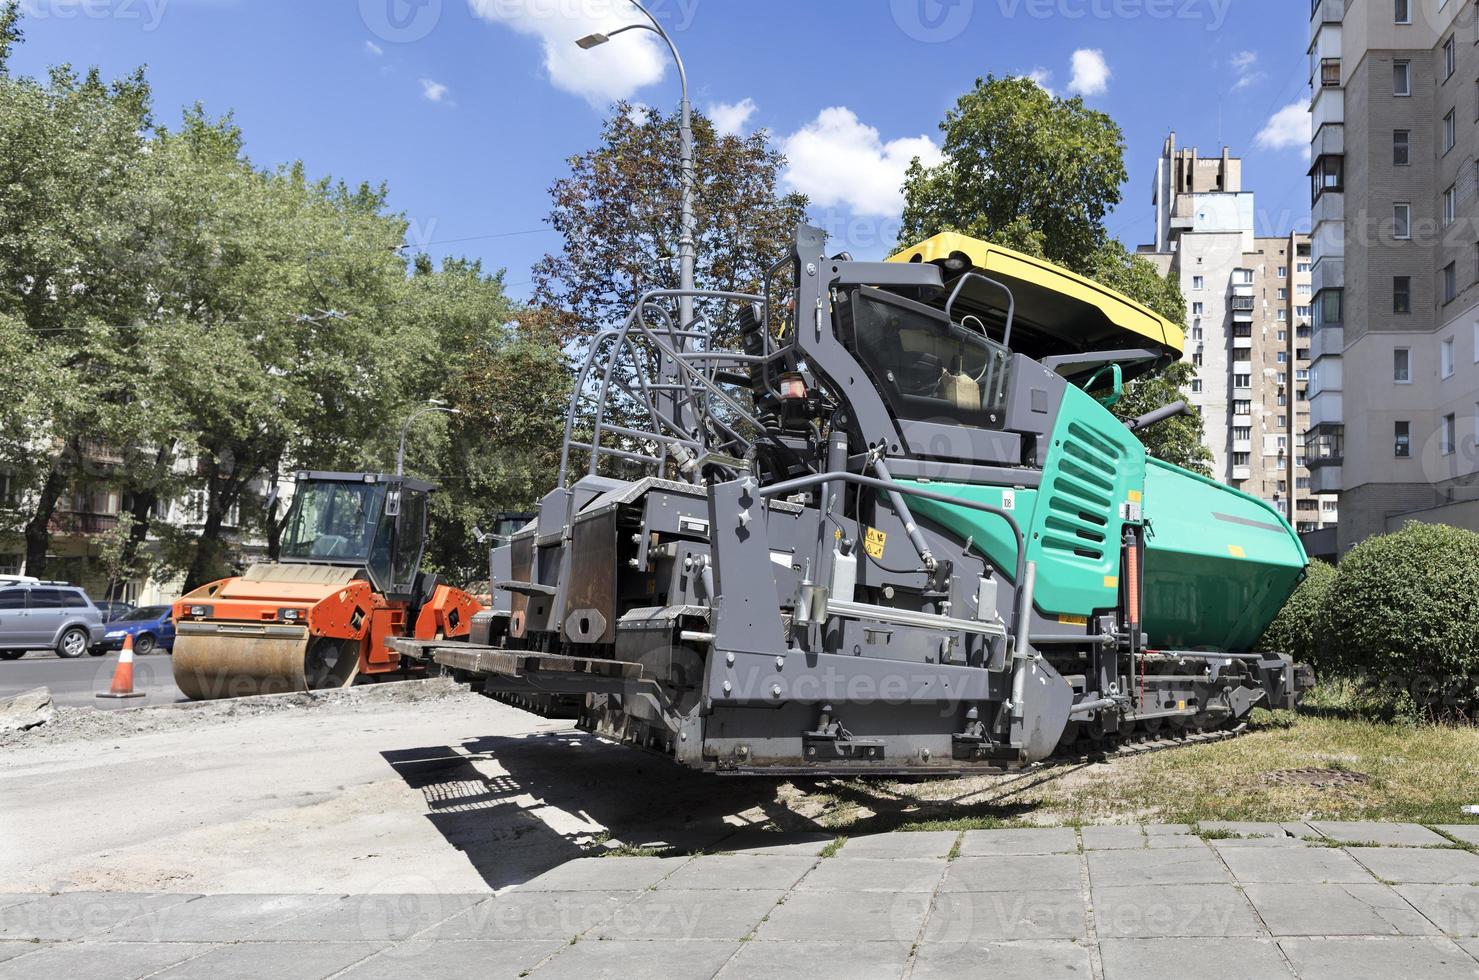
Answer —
(1328, 341)
(1324, 445)
(73, 523)
(1329, 140)
(1326, 479)
(1330, 73)
(1328, 207)
(1242, 473)
(1242, 445)
(1327, 11)
(1242, 421)
(1242, 343)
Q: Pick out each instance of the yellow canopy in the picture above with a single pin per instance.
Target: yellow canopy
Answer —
(1064, 310)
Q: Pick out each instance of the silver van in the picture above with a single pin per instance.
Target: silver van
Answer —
(47, 616)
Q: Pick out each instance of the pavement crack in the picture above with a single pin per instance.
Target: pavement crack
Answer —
(1086, 888)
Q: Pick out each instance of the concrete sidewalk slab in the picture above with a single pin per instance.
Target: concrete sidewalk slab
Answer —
(923, 844)
(596, 874)
(80, 915)
(1043, 872)
(281, 961)
(1454, 909)
(984, 917)
(1180, 866)
(1468, 833)
(1204, 958)
(1030, 840)
(533, 915)
(1043, 959)
(1336, 910)
(98, 961)
(738, 872)
(1378, 959)
(677, 914)
(370, 918)
(758, 960)
(1410, 865)
(864, 918)
(1113, 838)
(455, 958)
(217, 918)
(650, 960)
(10, 950)
(1256, 829)
(1391, 834)
(767, 842)
(1311, 865)
(876, 875)
(1173, 911)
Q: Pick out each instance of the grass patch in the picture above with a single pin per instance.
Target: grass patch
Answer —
(1420, 774)
(833, 846)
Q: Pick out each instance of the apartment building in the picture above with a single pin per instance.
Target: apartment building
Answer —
(1248, 328)
(1395, 377)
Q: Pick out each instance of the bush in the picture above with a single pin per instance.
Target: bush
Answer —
(1403, 615)
(1297, 629)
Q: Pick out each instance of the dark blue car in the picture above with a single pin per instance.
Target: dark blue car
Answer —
(152, 627)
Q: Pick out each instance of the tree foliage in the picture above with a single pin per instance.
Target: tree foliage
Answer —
(1030, 171)
(618, 212)
(177, 322)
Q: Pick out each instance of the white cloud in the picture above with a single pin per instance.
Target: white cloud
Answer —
(372, 48)
(638, 114)
(611, 71)
(837, 160)
(1091, 72)
(1040, 77)
(433, 91)
(1245, 64)
(730, 118)
(1288, 127)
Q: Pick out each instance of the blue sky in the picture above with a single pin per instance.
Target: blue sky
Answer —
(468, 109)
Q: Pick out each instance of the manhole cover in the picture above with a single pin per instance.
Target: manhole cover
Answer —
(1317, 777)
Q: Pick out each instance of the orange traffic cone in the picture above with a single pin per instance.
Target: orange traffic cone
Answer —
(123, 674)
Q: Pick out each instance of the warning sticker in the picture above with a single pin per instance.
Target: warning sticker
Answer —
(874, 541)
(1136, 496)
(1074, 620)
(1236, 550)
(1009, 500)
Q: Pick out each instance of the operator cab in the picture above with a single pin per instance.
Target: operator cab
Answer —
(372, 521)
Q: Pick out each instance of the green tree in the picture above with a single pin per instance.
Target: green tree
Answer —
(617, 214)
(1037, 173)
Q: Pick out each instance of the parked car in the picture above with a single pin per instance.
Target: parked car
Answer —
(152, 627)
(113, 609)
(47, 615)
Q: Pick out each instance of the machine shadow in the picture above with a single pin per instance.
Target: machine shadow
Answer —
(518, 806)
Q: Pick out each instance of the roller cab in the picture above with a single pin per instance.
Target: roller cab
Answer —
(349, 580)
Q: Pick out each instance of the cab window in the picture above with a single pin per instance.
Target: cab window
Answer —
(929, 369)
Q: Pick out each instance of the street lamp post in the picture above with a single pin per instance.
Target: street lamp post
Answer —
(686, 245)
(432, 405)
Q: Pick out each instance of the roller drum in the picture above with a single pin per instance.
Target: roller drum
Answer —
(214, 661)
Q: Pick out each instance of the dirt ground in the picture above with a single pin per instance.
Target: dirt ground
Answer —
(426, 787)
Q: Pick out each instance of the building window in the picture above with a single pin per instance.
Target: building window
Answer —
(1282, 357)
(1402, 437)
(1450, 282)
(1283, 271)
(1283, 316)
(1283, 334)
(1283, 293)
(1197, 309)
(1401, 147)
(1198, 282)
(1450, 59)
(1196, 386)
(1283, 422)
(1401, 294)
(1450, 205)
(1450, 131)
(1242, 381)
(1304, 312)
(1242, 433)
(1402, 366)
(1303, 267)
(1403, 13)
(1401, 78)
(1196, 358)
(1445, 358)
(1240, 459)
(1243, 277)
(1402, 221)
(1450, 435)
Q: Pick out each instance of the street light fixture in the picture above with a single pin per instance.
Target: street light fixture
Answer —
(686, 256)
(432, 405)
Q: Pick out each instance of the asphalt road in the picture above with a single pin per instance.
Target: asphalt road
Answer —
(77, 682)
